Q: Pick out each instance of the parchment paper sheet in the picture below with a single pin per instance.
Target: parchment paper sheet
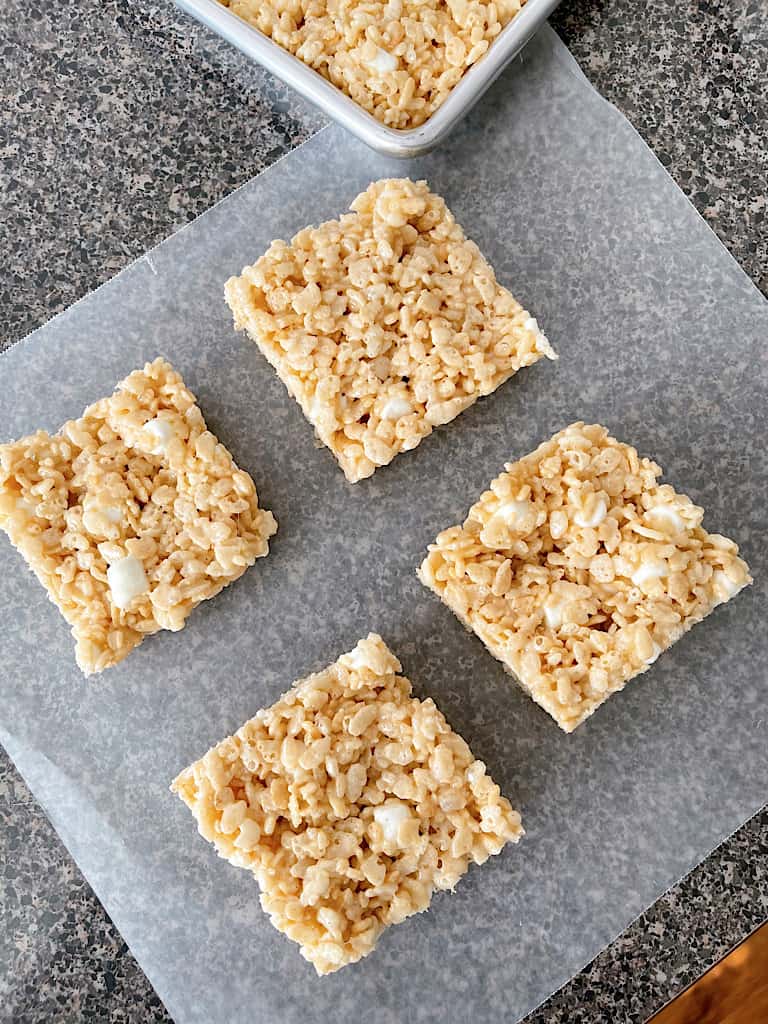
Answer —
(661, 337)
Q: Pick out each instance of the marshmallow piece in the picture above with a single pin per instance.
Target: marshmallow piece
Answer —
(656, 652)
(127, 580)
(542, 341)
(599, 513)
(651, 570)
(95, 517)
(355, 659)
(390, 816)
(515, 513)
(368, 655)
(553, 614)
(383, 62)
(665, 519)
(724, 586)
(395, 408)
(162, 432)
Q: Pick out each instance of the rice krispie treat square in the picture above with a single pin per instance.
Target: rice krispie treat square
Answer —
(399, 59)
(384, 324)
(131, 515)
(577, 569)
(351, 802)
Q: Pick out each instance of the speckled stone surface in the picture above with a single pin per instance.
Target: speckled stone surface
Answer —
(88, 197)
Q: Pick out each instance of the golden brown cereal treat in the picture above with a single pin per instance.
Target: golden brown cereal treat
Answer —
(131, 515)
(577, 569)
(351, 802)
(384, 323)
(398, 59)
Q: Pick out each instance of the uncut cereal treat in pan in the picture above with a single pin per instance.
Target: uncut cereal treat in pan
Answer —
(577, 569)
(398, 59)
(351, 802)
(384, 324)
(131, 515)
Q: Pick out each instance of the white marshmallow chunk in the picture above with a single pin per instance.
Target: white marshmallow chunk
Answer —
(127, 580)
(162, 431)
(542, 341)
(95, 517)
(384, 62)
(724, 586)
(599, 513)
(665, 519)
(515, 513)
(553, 614)
(355, 659)
(651, 570)
(654, 656)
(390, 816)
(395, 408)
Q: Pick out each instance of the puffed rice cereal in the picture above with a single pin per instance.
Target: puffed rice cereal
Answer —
(131, 515)
(384, 324)
(577, 569)
(398, 59)
(351, 802)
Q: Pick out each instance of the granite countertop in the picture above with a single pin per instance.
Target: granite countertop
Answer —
(121, 121)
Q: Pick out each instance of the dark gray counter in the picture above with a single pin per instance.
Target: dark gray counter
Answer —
(121, 120)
